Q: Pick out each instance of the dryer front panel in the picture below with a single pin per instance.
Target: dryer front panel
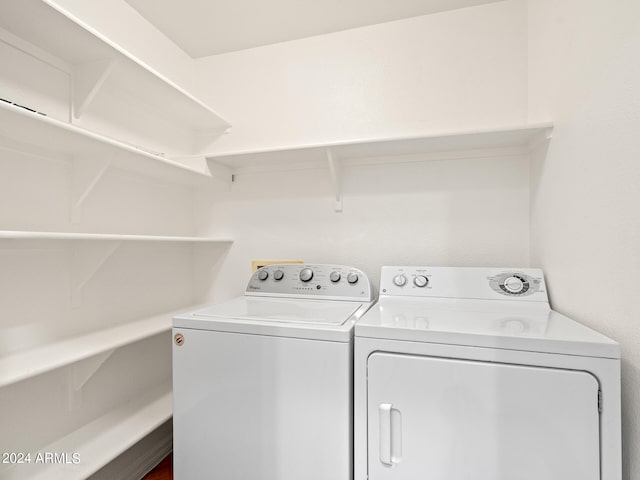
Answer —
(437, 418)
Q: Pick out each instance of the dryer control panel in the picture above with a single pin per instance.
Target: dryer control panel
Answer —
(328, 282)
(522, 284)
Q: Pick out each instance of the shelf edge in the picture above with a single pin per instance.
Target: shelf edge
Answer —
(534, 128)
(74, 236)
(51, 358)
(100, 139)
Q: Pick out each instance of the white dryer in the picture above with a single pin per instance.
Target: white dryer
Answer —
(263, 384)
(466, 373)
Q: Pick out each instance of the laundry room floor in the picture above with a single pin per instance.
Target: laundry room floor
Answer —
(162, 471)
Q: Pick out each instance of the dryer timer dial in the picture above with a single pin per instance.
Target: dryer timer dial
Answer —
(513, 284)
(420, 281)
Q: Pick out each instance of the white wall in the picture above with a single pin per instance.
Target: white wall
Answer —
(585, 74)
(456, 70)
(437, 212)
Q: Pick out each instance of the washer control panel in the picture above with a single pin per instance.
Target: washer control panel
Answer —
(526, 284)
(311, 281)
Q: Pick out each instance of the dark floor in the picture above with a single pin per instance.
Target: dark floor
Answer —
(163, 471)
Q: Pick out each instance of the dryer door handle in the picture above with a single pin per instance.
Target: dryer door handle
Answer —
(390, 431)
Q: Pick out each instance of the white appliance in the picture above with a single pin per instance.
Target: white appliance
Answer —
(263, 384)
(466, 373)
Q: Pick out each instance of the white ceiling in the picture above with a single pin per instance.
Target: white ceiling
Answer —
(209, 27)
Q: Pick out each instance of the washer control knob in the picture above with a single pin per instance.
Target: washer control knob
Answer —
(306, 274)
(263, 275)
(420, 281)
(399, 280)
(278, 275)
(513, 284)
(352, 278)
(335, 277)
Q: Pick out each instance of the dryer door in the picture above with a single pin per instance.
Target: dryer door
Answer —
(436, 418)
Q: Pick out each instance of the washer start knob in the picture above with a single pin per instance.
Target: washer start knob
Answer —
(306, 274)
(513, 284)
(420, 281)
(352, 278)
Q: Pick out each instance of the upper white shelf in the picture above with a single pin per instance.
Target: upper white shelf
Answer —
(378, 150)
(518, 136)
(29, 235)
(63, 139)
(53, 30)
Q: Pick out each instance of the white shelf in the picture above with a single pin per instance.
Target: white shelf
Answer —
(26, 364)
(23, 235)
(62, 139)
(517, 136)
(83, 272)
(53, 30)
(102, 440)
(332, 155)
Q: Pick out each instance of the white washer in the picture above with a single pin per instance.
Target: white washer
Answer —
(263, 384)
(466, 373)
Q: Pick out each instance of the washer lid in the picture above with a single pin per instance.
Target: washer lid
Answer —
(278, 317)
(483, 323)
(261, 309)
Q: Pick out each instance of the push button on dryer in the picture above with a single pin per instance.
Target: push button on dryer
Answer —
(399, 280)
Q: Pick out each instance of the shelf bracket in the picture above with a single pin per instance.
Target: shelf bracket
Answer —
(334, 170)
(204, 138)
(80, 373)
(86, 263)
(209, 166)
(86, 173)
(220, 171)
(88, 78)
(542, 138)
